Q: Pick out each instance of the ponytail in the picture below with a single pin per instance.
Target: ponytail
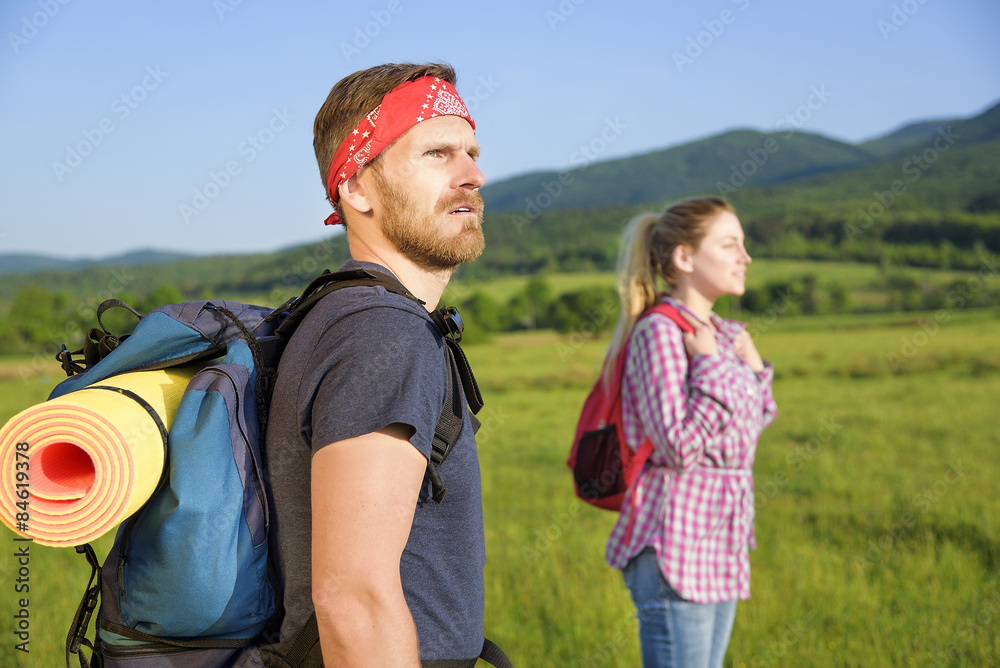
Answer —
(636, 284)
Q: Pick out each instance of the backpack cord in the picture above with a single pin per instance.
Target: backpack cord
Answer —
(265, 374)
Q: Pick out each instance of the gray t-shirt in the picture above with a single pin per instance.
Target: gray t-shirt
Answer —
(363, 359)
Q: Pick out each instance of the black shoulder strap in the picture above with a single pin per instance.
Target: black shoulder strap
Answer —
(294, 310)
(449, 425)
(449, 324)
(81, 620)
(446, 432)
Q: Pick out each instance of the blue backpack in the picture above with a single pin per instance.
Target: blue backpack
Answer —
(188, 581)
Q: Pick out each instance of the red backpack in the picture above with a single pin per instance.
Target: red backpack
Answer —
(603, 464)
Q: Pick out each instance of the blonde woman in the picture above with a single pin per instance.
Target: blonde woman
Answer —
(703, 399)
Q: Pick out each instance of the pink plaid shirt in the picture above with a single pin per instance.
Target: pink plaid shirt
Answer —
(694, 500)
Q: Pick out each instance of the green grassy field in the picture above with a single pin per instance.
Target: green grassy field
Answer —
(878, 520)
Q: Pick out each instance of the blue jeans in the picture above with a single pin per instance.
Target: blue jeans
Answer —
(674, 633)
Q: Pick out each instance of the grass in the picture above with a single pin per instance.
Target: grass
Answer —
(877, 513)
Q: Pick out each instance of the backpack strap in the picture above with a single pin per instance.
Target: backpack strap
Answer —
(449, 324)
(493, 655)
(642, 455)
(98, 344)
(449, 425)
(308, 637)
(81, 620)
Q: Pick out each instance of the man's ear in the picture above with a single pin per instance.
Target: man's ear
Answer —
(355, 194)
(682, 258)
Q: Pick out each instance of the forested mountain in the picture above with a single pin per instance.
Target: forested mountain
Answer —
(736, 156)
(26, 263)
(927, 194)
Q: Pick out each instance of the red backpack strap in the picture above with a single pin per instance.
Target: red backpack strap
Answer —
(646, 449)
(631, 476)
(669, 310)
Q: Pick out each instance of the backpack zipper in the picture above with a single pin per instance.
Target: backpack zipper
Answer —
(126, 544)
(257, 486)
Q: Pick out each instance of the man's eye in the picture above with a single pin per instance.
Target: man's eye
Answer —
(433, 152)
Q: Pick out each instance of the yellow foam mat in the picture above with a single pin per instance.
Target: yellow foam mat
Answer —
(72, 468)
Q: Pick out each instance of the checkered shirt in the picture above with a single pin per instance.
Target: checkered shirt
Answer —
(694, 499)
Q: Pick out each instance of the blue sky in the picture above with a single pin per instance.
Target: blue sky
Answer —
(118, 117)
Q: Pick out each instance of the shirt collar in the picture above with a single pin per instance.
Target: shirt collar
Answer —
(729, 328)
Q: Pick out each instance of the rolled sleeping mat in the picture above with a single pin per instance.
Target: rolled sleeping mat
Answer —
(73, 468)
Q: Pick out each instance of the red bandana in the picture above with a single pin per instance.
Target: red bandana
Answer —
(403, 107)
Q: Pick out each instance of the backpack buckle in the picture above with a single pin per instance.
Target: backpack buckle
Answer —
(449, 322)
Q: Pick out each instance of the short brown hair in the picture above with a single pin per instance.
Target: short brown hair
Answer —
(353, 97)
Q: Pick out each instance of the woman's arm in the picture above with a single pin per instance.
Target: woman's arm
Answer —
(682, 405)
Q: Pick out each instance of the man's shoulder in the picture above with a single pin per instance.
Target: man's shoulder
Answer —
(369, 306)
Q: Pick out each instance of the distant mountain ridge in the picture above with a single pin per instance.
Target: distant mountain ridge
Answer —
(734, 158)
(26, 263)
(758, 169)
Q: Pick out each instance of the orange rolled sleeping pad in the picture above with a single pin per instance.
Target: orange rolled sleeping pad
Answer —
(73, 468)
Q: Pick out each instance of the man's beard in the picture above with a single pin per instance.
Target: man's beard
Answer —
(417, 235)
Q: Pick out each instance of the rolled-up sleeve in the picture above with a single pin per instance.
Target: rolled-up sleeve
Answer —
(766, 378)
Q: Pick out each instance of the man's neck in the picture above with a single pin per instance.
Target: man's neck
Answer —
(428, 285)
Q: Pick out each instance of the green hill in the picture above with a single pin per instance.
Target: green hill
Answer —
(737, 158)
(905, 138)
(933, 203)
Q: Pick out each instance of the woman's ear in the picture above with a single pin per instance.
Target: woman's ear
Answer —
(355, 194)
(682, 258)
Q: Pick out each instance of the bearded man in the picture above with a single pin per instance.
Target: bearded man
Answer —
(393, 573)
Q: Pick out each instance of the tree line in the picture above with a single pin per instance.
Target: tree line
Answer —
(41, 321)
